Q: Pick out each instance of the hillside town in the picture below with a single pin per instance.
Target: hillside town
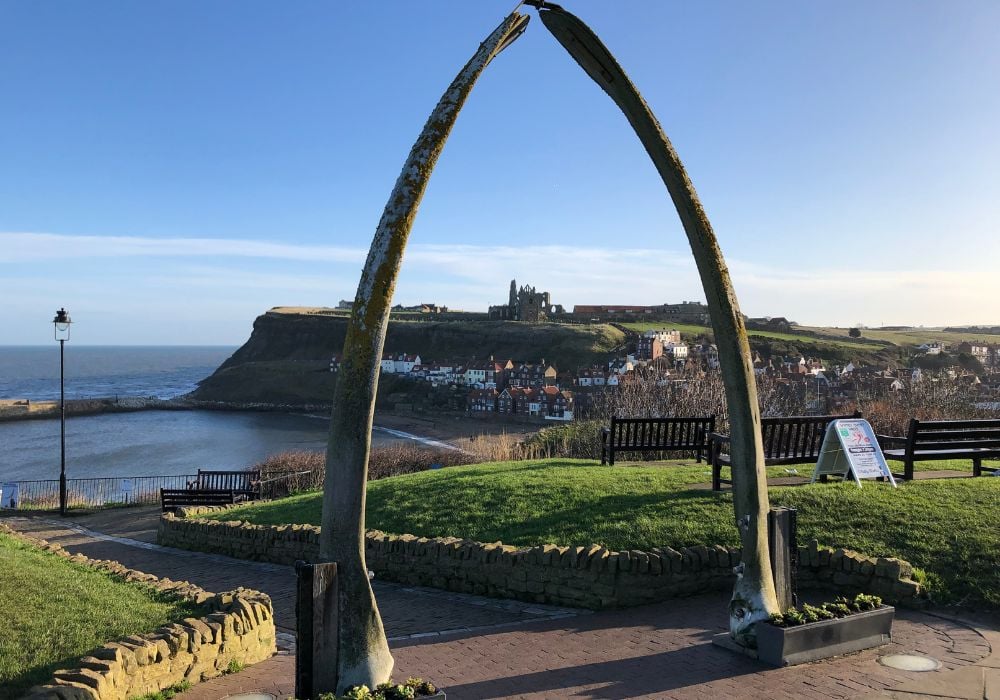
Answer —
(539, 390)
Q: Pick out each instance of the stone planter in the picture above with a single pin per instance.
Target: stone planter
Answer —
(787, 646)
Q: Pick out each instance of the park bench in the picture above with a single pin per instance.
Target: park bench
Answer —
(244, 483)
(172, 499)
(944, 439)
(787, 440)
(655, 435)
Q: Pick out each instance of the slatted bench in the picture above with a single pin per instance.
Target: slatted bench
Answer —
(656, 435)
(172, 499)
(975, 440)
(787, 440)
(244, 483)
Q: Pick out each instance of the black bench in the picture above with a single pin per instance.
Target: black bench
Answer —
(787, 440)
(655, 435)
(172, 499)
(244, 483)
(944, 439)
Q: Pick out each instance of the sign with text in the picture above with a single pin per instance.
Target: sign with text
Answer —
(9, 495)
(850, 447)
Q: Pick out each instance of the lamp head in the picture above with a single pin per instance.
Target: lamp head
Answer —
(62, 323)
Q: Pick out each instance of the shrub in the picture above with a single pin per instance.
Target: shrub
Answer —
(291, 472)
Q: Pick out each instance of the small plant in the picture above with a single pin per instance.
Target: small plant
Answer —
(400, 692)
(235, 666)
(815, 614)
(837, 609)
(867, 602)
(841, 607)
(357, 692)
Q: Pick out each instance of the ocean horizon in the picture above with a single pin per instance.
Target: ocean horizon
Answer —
(105, 371)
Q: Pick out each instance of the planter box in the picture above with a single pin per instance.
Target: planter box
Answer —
(786, 646)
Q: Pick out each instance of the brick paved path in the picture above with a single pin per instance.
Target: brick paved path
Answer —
(516, 650)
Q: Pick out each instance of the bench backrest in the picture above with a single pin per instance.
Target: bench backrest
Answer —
(236, 480)
(680, 433)
(796, 437)
(953, 435)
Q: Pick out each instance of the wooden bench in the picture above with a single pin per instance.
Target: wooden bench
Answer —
(787, 440)
(172, 499)
(944, 439)
(655, 435)
(244, 483)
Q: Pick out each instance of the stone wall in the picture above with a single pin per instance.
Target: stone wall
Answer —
(591, 577)
(238, 628)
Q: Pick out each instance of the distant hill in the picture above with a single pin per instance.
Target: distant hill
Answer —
(287, 358)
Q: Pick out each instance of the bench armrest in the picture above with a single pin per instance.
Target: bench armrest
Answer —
(718, 438)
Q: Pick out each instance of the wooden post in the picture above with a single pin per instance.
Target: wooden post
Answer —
(315, 611)
(783, 547)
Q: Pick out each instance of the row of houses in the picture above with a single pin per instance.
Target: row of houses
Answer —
(545, 402)
(489, 374)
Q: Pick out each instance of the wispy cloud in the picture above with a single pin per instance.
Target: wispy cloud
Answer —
(30, 247)
(208, 272)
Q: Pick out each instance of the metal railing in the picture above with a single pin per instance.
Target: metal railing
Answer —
(99, 492)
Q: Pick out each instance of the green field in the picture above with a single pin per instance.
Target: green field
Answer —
(693, 331)
(946, 526)
(917, 336)
(56, 611)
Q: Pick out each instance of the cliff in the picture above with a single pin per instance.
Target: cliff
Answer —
(287, 358)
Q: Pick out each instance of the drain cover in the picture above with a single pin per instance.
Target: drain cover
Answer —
(910, 662)
(251, 696)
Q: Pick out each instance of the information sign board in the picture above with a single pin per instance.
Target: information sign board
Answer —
(850, 447)
(9, 495)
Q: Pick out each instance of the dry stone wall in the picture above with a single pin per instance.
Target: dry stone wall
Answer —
(591, 577)
(238, 628)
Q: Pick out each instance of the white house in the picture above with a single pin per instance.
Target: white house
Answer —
(404, 363)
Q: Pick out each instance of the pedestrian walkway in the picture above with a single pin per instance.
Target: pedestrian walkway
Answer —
(478, 647)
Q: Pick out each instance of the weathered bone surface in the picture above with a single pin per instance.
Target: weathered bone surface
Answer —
(364, 656)
(753, 597)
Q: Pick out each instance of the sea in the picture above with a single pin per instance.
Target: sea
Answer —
(142, 443)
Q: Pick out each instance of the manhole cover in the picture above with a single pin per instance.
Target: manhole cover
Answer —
(251, 696)
(910, 662)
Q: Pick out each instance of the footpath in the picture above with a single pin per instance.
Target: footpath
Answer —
(476, 647)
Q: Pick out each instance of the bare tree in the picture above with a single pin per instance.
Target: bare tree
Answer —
(362, 651)
(753, 597)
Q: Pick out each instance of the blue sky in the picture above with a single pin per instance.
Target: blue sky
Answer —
(170, 170)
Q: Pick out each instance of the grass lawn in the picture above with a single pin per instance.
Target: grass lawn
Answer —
(916, 336)
(694, 331)
(56, 611)
(946, 527)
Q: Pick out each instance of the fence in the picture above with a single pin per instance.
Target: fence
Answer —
(99, 491)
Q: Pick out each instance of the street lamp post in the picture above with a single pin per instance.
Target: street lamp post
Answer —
(62, 322)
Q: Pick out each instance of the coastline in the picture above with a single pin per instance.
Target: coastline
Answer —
(12, 410)
(445, 430)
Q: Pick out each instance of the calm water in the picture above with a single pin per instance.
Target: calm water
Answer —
(145, 443)
(106, 371)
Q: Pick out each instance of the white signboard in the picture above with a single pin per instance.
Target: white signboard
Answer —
(850, 447)
(9, 495)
